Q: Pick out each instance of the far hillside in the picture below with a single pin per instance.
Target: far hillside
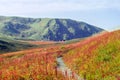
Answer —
(47, 29)
(11, 45)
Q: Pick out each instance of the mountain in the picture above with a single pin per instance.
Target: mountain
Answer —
(45, 28)
(96, 58)
(10, 45)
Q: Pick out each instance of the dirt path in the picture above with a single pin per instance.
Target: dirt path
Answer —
(65, 70)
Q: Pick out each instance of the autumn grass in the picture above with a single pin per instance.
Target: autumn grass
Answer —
(96, 58)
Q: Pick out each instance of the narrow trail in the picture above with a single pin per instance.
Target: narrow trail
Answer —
(65, 70)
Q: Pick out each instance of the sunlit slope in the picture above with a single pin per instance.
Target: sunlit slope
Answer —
(97, 58)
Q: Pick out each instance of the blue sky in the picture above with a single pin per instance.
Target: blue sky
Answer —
(101, 13)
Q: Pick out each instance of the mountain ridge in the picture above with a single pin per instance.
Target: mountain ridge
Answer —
(54, 29)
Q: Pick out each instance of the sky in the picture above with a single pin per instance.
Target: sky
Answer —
(101, 13)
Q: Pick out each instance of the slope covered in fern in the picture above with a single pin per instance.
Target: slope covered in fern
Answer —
(97, 58)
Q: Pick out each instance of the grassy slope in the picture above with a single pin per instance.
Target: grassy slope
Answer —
(35, 64)
(97, 58)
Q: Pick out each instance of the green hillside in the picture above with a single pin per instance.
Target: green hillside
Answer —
(10, 45)
(45, 28)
